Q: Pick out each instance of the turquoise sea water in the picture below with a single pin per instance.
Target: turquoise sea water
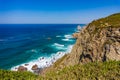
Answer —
(22, 43)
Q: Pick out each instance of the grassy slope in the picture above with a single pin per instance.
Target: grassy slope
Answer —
(94, 71)
(13, 75)
(110, 21)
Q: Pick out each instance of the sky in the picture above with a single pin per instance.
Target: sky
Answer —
(55, 11)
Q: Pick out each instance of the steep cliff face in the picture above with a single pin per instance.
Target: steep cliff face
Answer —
(97, 44)
(98, 41)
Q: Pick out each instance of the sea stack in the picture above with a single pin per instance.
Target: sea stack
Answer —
(79, 28)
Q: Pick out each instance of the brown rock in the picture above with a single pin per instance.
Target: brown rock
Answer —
(75, 35)
(49, 38)
(35, 67)
(22, 68)
(16, 68)
(26, 64)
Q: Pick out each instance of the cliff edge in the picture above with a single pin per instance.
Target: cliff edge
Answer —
(98, 41)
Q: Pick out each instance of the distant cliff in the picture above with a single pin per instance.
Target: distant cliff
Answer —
(98, 41)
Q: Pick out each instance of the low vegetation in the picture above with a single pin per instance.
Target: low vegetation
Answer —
(92, 71)
(16, 75)
(110, 21)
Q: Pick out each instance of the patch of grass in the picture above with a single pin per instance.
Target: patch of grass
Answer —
(96, 26)
(15, 75)
(110, 21)
(59, 61)
(91, 71)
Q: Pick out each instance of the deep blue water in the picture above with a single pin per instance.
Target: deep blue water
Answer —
(17, 41)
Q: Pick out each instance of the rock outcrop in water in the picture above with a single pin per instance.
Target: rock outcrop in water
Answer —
(22, 68)
(98, 41)
(35, 67)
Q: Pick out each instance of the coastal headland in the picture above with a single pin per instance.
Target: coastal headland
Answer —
(94, 56)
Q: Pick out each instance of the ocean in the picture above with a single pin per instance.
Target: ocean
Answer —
(40, 44)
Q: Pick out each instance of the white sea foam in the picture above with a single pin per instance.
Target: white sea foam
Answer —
(33, 50)
(66, 40)
(58, 36)
(44, 61)
(59, 45)
(69, 48)
(68, 36)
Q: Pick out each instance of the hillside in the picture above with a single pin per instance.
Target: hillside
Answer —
(91, 71)
(98, 41)
(95, 55)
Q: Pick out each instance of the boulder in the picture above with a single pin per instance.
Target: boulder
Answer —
(26, 64)
(35, 67)
(22, 68)
(49, 38)
(79, 28)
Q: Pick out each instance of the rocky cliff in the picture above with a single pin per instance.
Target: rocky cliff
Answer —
(98, 41)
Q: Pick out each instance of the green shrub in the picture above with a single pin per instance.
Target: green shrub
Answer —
(91, 71)
(15, 75)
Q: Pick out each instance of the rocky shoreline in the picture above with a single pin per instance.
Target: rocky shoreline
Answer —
(36, 66)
